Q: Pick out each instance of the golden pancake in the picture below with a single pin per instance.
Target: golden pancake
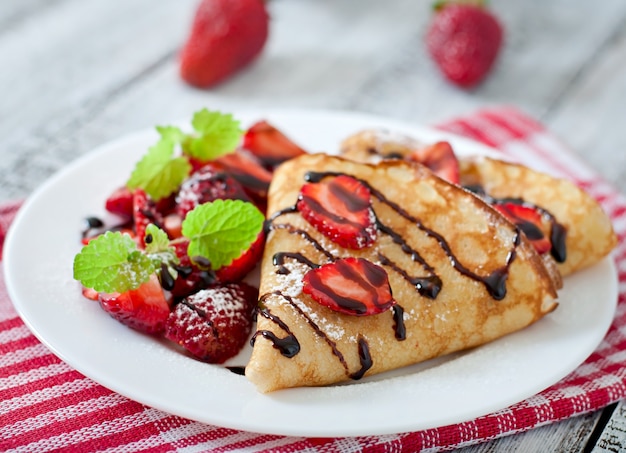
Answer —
(460, 275)
(581, 232)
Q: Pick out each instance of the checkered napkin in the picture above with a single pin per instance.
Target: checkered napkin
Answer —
(45, 405)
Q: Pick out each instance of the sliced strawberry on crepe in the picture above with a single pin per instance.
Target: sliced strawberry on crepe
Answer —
(354, 286)
(145, 309)
(339, 208)
(439, 158)
(529, 221)
(269, 144)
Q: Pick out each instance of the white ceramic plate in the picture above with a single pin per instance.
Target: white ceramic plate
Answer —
(45, 236)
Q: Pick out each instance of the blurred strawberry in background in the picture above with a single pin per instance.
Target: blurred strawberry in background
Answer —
(464, 39)
(226, 36)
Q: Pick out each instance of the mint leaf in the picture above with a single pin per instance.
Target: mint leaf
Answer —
(171, 133)
(158, 172)
(217, 134)
(112, 263)
(222, 230)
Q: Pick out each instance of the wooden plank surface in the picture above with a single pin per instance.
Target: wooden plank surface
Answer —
(79, 73)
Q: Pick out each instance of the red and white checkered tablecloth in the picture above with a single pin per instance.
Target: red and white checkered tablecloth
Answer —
(47, 406)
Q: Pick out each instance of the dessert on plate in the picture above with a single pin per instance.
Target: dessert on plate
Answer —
(371, 267)
(390, 254)
(563, 221)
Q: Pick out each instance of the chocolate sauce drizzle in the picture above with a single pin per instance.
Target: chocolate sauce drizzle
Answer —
(289, 345)
(364, 357)
(428, 286)
(494, 283)
(558, 233)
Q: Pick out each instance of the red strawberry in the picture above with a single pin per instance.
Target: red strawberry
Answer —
(248, 171)
(240, 267)
(144, 213)
(173, 225)
(528, 220)
(120, 202)
(354, 286)
(207, 184)
(190, 277)
(440, 158)
(269, 144)
(225, 37)
(90, 294)
(464, 41)
(214, 324)
(145, 309)
(339, 208)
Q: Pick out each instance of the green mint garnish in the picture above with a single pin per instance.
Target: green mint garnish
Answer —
(159, 173)
(220, 230)
(171, 133)
(112, 263)
(166, 165)
(216, 134)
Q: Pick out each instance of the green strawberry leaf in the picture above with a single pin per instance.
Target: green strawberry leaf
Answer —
(112, 263)
(216, 134)
(222, 230)
(158, 172)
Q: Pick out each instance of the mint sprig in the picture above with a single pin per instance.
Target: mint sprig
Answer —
(112, 263)
(166, 164)
(219, 232)
(159, 173)
(216, 134)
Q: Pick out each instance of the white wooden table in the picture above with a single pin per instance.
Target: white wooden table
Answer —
(77, 73)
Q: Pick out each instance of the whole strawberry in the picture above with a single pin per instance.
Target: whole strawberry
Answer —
(464, 41)
(226, 35)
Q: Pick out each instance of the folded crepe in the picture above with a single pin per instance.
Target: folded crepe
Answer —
(580, 232)
(459, 275)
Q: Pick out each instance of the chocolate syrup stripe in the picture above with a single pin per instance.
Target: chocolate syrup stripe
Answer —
(494, 283)
(289, 345)
(428, 286)
(558, 233)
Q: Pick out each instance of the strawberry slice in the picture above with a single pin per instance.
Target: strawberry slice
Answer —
(191, 278)
(269, 144)
(340, 209)
(120, 202)
(247, 170)
(354, 286)
(529, 220)
(144, 213)
(207, 184)
(214, 324)
(90, 293)
(440, 159)
(241, 266)
(145, 309)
